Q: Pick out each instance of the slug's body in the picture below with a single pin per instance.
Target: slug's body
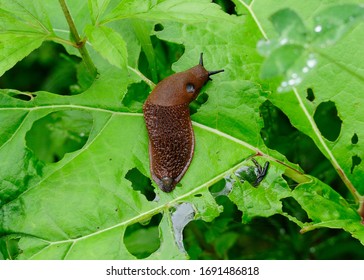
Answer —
(167, 117)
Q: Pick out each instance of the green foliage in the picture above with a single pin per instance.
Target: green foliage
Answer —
(74, 169)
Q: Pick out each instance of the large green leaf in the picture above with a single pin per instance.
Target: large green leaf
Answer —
(335, 69)
(85, 204)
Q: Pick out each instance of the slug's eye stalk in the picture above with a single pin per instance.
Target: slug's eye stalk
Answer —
(201, 59)
(215, 72)
(210, 73)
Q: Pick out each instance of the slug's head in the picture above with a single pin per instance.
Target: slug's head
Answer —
(181, 88)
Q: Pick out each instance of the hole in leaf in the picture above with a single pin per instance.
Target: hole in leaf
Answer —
(142, 240)
(48, 68)
(227, 6)
(58, 133)
(158, 27)
(141, 183)
(354, 139)
(290, 182)
(136, 96)
(293, 208)
(157, 65)
(355, 162)
(278, 134)
(215, 240)
(198, 102)
(217, 187)
(310, 95)
(9, 248)
(22, 95)
(327, 120)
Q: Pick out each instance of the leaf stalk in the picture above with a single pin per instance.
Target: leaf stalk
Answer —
(80, 44)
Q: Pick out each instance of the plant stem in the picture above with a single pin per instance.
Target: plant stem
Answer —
(79, 43)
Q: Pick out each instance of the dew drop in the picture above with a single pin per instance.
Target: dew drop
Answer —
(283, 41)
(311, 62)
(294, 81)
(283, 87)
(262, 44)
(305, 69)
(318, 28)
(284, 84)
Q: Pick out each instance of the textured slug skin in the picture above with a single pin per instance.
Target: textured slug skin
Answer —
(171, 142)
(167, 118)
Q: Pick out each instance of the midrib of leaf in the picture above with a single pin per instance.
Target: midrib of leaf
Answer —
(358, 198)
(250, 9)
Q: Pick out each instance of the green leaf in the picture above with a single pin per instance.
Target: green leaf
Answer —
(109, 44)
(183, 11)
(282, 60)
(327, 208)
(331, 24)
(86, 205)
(143, 31)
(289, 26)
(23, 28)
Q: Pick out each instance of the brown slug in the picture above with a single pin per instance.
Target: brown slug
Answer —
(167, 118)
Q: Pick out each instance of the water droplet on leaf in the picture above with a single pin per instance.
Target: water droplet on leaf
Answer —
(318, 28)
(311, 62)
(283, 41)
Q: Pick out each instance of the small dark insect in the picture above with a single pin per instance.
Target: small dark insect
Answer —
(261, 172)
(167, 117)
(253, 174)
